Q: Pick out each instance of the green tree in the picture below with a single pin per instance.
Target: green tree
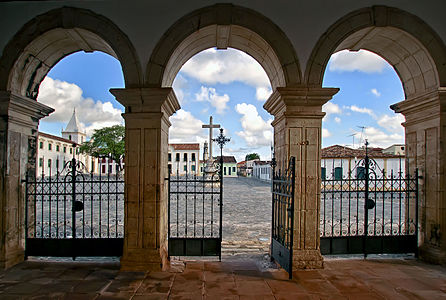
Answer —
(107, 141)
(252, 156)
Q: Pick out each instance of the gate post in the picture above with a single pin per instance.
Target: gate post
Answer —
(297, 132)
(426, 151)
(147, 112)
(19, 121)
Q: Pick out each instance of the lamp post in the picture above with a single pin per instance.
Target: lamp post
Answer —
(221, 140)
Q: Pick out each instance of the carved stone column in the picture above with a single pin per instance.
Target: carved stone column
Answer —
(297, 132)
(19, 121)
(147, 112)
(426, 150)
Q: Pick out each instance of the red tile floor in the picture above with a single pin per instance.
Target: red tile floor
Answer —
(230, 279)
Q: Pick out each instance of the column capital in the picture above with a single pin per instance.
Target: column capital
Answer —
(22, 111)
(147, 100)
(298, 101)
(422, 107)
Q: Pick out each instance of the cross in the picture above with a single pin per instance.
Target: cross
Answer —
(210, 126)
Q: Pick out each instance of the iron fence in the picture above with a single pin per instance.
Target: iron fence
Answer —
(74, 213)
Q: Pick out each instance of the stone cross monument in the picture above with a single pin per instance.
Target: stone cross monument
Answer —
(211, 127)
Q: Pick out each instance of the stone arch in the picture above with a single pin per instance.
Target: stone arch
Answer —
(223, 26)
(49, 37)
(415, 51)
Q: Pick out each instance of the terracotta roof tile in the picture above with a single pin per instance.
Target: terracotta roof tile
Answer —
(185, 146)
(227, 159)
(58, 138)
(337, 151)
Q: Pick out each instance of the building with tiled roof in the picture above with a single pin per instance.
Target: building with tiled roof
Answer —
(341, 162)
(183, 158)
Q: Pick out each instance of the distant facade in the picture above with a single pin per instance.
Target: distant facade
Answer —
(397, 149)
(341, 162)
(53, 152)
(183, 159)
(229, 166)
(262, 170)
(241, 168)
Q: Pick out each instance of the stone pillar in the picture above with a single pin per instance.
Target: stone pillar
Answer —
(426, 149)
(147, 112)
(297, 132)
(19, 121)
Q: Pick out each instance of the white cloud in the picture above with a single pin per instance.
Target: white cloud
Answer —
(375, 92)
(331, 108)
(185, 128)
(337, 120)
(256, 131)
(362, 110)
(392, 123)
(210, 95)
(225, 66)
(263, 93)
(325, 133)
(378, 138)
(179, 85)
(64, 97)
(362, 60)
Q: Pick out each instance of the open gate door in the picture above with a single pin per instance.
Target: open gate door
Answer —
(283, 216)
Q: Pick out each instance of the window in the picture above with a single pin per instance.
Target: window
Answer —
(110, 168)
(40, 162)
(193, 156)
(185, 168)
(360, 173)
(92, 166)
(57, 164)
(71, 150)
(69, 137)
(50, 146)
(338, 173)
(41, 145)
(64, 149)
(103, 169)
(229, 170)
(57, 148)
(49, 163)
(233, 169)
(323, 173)
(169, 167)
(169, 157)
(185, 157)
(193, 168)
(224, 171)
(177, 157)
(201, 169)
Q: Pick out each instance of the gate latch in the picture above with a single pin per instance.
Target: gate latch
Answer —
(370, 204)
(78, 206)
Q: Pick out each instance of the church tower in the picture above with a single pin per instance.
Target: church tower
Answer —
(73, 130)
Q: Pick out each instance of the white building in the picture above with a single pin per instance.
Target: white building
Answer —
(262, 170)
(341, 162)
(53, 152)
(183, 159)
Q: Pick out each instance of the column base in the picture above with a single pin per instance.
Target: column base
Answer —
(12, 258)
(144, 260)
(432, 254)
(307, 259)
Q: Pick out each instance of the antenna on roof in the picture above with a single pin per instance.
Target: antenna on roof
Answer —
(353, 136)
(362, 132)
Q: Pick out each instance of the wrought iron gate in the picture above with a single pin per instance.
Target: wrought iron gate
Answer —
(73, 213)
(195, 214)
(283, 216)
(369, 211)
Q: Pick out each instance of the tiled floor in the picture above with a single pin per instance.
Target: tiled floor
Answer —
(230, 279)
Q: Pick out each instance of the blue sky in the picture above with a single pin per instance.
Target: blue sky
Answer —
(232, 87)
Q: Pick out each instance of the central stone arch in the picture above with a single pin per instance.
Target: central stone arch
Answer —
(223, 26)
